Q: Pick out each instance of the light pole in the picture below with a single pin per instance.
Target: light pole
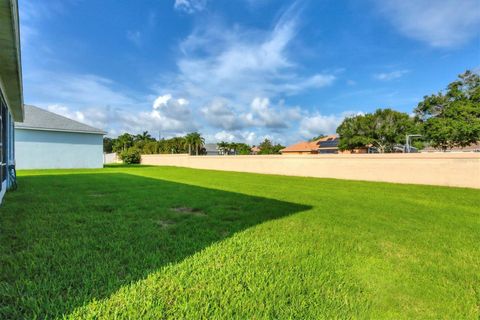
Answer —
(408, 139)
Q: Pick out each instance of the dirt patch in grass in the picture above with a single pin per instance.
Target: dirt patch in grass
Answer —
(188, 210)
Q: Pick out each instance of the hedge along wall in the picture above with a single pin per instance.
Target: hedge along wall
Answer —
(443, 169)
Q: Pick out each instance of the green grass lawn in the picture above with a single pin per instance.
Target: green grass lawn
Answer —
(164, 242)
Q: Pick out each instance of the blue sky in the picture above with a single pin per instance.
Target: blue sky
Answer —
(241, 70)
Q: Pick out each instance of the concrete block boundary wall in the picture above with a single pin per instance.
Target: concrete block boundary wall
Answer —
(111, 158)
(442, 169)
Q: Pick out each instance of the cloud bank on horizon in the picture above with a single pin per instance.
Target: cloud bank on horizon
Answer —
(242, 71)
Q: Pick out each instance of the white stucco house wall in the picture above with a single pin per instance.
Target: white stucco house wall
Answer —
(46, 140)
(11, 95)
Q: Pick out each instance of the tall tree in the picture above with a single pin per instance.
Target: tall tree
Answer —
(452, 119)
(198, 141)
(267, 147)
(151, 147)
(223, 147)
(107, 144)
(123, 142)
(188, 142)
(382, 129)
(194, 140)
(242, 148)
(233, 146)
(173, 145)
(144, 136)
(354, 133)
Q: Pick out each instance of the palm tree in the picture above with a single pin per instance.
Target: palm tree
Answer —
(188, 142)
(234, 147)
(144, 136)
(223, 147)
(194, 140)
(123, 142)
(198, 141)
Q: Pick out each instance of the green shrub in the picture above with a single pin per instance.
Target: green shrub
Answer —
(130, 156)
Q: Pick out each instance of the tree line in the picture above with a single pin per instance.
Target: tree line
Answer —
(130, 147)
(266, 147)
(443, 121)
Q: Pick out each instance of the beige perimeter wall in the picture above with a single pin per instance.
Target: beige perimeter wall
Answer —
(445, 169)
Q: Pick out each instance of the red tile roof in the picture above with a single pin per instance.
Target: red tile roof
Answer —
(302, 146)
(307, 146)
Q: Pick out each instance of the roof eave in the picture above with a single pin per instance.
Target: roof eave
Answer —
(10, 55)
(59, 130)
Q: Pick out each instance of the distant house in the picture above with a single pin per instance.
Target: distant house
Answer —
(211, 149)
(255, 150)
(328, 144)
(11, 94)
(46, 140)
(302, 147)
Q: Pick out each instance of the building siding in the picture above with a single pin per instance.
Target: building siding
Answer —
(38, 149)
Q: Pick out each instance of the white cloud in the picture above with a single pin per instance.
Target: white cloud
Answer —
(74, 89)
(66, 112)
(220, 114)
(241, 64)
(263, 114)
(100, 102)
(314, 125)
(161, 101)
(387, 76)
(231, 76)
(224, 136)
(169, 116)
(190, 6)
(230, 85)
(440, 23)
(169, 107)
(113, 120)
(249, 137)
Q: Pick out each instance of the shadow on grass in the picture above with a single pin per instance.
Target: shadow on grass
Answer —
(66, 240)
